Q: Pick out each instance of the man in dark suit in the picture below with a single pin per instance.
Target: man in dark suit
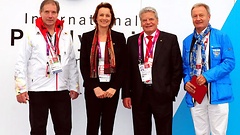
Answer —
(153, 76)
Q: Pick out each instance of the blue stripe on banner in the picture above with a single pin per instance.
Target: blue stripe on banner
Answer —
(182, 121)
(232, 28)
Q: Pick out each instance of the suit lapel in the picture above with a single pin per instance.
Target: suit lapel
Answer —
(158, 47)
(135, 48)
(142, 49)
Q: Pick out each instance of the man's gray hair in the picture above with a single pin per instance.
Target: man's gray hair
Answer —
(201, 4)
(148, 9)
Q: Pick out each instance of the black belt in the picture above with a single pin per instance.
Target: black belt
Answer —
(148, 86)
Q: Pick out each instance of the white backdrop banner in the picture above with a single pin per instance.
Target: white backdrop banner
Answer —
(17, 15)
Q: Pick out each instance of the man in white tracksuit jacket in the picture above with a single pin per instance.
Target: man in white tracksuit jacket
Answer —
(46, 72)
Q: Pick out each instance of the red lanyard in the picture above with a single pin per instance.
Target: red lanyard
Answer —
(140, 42)
(53, 46)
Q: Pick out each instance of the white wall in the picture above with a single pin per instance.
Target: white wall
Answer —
(174, 17)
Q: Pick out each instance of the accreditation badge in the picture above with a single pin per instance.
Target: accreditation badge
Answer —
(149, 63)
(103, 77)
(145, 72)
(198, 69)
(55, 65)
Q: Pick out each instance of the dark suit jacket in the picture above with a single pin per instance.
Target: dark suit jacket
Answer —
(166, 70)
(119, 44)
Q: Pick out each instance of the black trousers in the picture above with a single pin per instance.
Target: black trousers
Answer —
(100, 113)
(59, 105)
(148, 108)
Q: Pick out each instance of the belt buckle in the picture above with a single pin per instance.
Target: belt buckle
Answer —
(148, 86)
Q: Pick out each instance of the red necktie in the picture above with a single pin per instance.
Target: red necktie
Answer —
(148, 48)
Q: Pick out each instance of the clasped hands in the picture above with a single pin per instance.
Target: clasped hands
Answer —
(201, 80)
(104, 94)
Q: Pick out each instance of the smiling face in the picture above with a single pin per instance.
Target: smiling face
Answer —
(200, 18)
(49, 15)
(149, 22)
(104, 17)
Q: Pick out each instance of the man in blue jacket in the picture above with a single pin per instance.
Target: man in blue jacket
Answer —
(208, 54)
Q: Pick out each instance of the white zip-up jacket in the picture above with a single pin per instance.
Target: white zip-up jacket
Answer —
(31, 65)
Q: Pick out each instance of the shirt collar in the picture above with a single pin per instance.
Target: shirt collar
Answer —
(153, 34)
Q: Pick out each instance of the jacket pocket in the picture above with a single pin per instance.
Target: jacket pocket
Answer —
(225, 91)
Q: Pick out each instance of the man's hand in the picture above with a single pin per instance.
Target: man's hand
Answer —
(201, 80)
(23, 97)
(190, 87)
(127, 103)
(73, 94)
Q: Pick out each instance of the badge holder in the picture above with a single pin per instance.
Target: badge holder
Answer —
(55, 65)
(103, 77)
(145, 72)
